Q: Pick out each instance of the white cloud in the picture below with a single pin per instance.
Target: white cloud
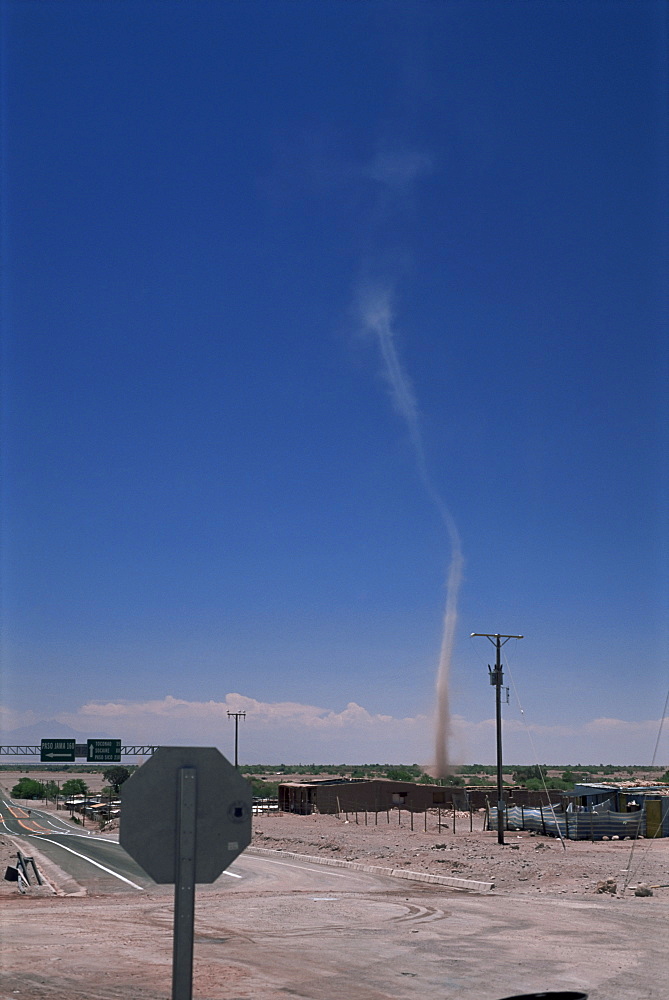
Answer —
(261, 713)
(621, 727)
(293, 732)
(270, 732)
(616, 741)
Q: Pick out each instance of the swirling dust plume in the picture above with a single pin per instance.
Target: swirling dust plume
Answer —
(375, 308)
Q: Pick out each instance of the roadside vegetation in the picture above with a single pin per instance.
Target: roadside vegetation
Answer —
(265, 778)
(33, 788)
(28, 788)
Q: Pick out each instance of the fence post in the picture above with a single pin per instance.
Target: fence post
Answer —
(411, 814)
(438, 819)
(425, 814)
(453, 815)
(522, 816)
(471, 818)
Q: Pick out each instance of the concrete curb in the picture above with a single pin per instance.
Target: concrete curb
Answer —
(450, 880)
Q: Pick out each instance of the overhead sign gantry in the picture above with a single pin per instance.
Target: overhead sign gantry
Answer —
(66, 751)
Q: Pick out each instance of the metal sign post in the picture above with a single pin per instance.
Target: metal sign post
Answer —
(186, 815)
(184, 886)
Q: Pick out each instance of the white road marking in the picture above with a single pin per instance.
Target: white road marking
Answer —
(286, 864)
(62, 826)
(105, 840)
(90, 836)
(90, 860)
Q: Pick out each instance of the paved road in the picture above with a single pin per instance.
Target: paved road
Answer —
(97, 863)
(274, 927)
(101, 866)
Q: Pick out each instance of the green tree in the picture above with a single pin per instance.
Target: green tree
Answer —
(28, 788)
(116, 776)
(534, 772)
(559, 785)
(264, 789)
(51, 790)
(400, 774)
(74, 786)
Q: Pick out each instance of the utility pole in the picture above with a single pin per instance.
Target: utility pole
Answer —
(236, 716)
(496, 679)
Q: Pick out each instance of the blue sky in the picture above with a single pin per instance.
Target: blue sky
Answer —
(211, 499)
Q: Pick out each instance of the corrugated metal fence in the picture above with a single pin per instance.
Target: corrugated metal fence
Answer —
(572, 825)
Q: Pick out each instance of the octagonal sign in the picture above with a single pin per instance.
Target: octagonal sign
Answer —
(150, 812)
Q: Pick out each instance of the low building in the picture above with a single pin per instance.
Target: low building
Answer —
(625, 797)
(337, 795)
(351, 795)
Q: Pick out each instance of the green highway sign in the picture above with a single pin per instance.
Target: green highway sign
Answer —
(57, 751)
(103, 751)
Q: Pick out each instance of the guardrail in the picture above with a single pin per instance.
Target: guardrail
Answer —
(20, 872)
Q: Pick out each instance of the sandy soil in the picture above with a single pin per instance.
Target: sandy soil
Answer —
(526, 863)
(53, 949)
(94, 779)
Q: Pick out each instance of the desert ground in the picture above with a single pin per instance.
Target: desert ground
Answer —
(55, 935)
(526, 863)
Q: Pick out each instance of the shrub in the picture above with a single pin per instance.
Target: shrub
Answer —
(28, 788)
(264, 789)
(74, 786)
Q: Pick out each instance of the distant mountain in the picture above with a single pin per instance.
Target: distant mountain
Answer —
(49, 729)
